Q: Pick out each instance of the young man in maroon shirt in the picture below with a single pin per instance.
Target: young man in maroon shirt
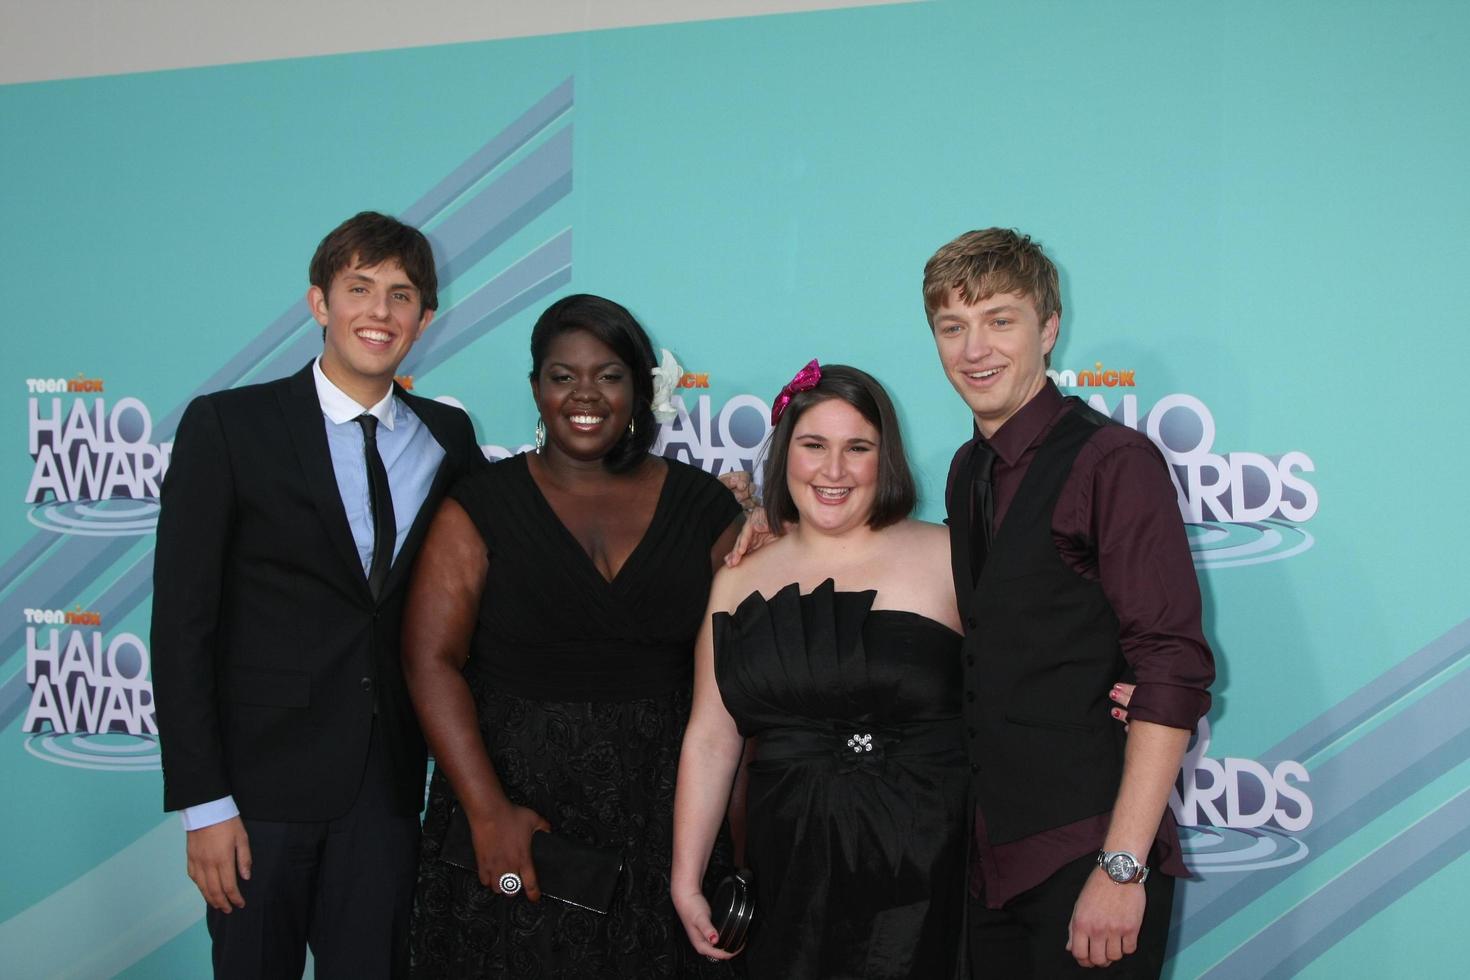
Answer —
(1072, 572)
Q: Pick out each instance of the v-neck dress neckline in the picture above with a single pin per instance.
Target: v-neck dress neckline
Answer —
(570, 540)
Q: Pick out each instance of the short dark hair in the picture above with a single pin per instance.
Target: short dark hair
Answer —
(612, 324)
(369, 238)
(896, 494)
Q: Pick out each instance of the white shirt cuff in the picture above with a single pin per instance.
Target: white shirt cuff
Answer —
(209, 814)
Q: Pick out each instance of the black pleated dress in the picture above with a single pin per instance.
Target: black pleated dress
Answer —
(856, 808)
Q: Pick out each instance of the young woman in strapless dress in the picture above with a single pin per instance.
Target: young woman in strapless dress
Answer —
(836, 649)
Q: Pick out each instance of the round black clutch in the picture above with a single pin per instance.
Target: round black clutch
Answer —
(732, 909)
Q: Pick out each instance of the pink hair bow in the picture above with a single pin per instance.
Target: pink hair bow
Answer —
(805, 380)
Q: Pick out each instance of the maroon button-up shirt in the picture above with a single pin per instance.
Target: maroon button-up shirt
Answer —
(1117, 523)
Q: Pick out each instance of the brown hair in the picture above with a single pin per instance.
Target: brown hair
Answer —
(896, 494)
(368, 239)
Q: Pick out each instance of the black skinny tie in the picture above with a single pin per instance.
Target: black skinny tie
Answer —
(385, 530)
(982, 533)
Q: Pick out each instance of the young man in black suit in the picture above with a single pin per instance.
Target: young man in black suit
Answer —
(291, 514)
(1072, 572)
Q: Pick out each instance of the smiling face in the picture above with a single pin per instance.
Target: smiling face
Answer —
(370, 317)
(994, 353)
(832, 467)
(584, 393)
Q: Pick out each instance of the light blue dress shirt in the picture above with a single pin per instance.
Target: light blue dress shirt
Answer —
(411, 456)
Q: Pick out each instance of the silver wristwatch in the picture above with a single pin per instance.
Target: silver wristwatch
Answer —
(1122, 867)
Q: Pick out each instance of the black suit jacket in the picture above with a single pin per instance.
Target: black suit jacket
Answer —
(270, 654)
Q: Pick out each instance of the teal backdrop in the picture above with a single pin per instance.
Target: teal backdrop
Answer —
(1263, 224)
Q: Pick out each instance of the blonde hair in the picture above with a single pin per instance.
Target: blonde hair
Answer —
(995, 260)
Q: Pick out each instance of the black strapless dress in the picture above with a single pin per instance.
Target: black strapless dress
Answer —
(856, 806)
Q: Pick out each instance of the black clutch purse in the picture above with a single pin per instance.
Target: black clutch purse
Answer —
(732, 910)
(567, 870)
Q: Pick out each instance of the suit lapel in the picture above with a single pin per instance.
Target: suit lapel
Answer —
(401, 564)
(450, 467)
(303, 414)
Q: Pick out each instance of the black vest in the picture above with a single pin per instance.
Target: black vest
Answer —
(1040, 654)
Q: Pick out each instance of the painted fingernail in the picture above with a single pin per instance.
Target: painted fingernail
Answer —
(713, 936)
(1116, 713)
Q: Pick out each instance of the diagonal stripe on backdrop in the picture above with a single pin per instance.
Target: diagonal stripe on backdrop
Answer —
(1377, 768)
(52, 573)
(145, 879)
(1381, 878)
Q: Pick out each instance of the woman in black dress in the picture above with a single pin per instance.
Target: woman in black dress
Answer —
(836, 649)
(548, 649)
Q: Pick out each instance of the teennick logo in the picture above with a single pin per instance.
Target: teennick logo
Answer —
(1097, 377)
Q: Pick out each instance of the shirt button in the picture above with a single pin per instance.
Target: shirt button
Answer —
(969, 660)
(969, 695)
(972, 732)
(367, 684)
(970, 623)
(974, 767)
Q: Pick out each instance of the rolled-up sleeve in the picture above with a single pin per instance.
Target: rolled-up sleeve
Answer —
(1122, 526)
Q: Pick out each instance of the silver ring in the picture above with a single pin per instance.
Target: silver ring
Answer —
(510, 883)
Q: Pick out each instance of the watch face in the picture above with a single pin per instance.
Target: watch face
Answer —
(1121, 867)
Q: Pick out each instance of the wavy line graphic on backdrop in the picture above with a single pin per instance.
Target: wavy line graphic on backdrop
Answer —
(1376, 748)
(115, 752)
(1226, 545)
(121, 517)
(1216, 850)
(514, 178)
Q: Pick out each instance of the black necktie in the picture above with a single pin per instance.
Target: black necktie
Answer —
(981, 532)
(385, 530)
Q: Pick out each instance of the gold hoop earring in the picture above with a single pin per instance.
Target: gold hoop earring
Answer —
(540, 436)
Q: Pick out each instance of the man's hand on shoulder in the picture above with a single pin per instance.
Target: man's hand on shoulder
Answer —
(755, 533)
(215, 854)
(1105, 921)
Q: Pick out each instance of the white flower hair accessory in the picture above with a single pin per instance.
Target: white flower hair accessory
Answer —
(665, 379)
